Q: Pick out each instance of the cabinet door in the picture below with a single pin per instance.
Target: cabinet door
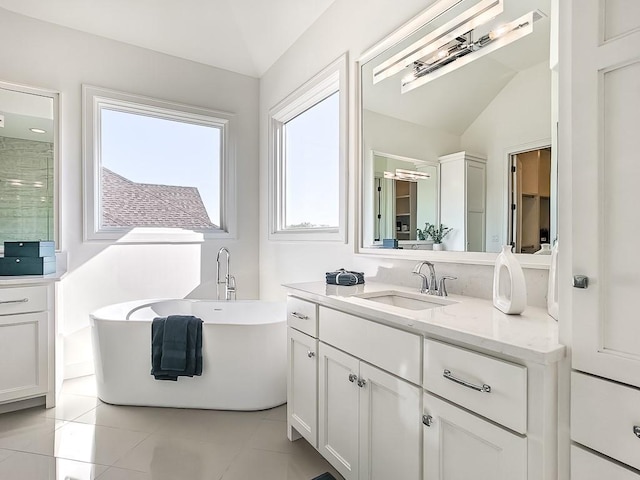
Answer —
(23, 355)
(604, 147)
(302, 386)
(390, 426)
(459, 446)
(338, 410)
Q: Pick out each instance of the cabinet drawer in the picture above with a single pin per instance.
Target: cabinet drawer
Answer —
(23, 299)
(604, 416)
(302, 315)
(459, 376)
(588, 466)
(391, 349)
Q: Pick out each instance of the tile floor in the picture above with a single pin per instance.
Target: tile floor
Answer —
(85, 439)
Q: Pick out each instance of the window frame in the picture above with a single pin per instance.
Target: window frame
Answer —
(332, 79)
(94, 99)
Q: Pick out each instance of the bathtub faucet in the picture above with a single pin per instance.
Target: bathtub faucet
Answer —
(229, 281)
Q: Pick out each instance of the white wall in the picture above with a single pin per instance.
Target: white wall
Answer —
(44, 55)
(519, 115)
(353, 26)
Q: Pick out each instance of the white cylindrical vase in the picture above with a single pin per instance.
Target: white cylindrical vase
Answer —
(509, 287)
(552, 290)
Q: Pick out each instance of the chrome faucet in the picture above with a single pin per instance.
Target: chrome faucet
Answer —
(430, 283)
(229, 280)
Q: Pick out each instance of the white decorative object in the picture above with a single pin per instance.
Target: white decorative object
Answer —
(437, 246)
(509, 287)
(552, 290)
(545, 249)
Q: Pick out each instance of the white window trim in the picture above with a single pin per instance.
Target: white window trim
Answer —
(331, 79)
(93, 99)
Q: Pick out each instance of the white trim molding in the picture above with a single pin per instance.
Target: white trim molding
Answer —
(332, 79)
(94, 99)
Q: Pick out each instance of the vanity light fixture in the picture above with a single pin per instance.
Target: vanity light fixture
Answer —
(407, 175)
(37, 130)
(464, 50)
(435, 41)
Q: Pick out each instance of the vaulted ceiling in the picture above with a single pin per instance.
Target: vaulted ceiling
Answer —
(244, 36)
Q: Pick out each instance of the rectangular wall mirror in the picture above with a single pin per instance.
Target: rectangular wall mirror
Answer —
(464, 92)
(28, 158)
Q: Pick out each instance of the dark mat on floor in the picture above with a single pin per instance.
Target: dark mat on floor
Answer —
(324, 476)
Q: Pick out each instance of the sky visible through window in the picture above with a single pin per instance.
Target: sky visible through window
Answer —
(147, 149)
(312, 166)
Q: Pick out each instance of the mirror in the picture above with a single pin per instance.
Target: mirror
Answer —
(28, 153)
(451, 94)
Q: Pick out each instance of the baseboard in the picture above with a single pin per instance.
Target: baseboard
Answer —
(22, 404)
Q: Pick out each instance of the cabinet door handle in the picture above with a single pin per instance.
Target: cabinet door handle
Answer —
(299, 316)
(484, 388)
(636, 431)
(427, 420)
(361, 382)
(352, 377)
(311, 354)
(22, 300)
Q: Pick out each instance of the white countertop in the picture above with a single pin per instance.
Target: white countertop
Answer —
(531, 336)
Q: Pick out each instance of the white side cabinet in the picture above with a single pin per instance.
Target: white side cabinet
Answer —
(603, 146)
(463, 202)
(369, 419)
(26, 343)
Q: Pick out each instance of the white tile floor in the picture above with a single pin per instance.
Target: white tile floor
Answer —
(85, 439)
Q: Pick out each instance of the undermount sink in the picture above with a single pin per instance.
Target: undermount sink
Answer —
(409, 301)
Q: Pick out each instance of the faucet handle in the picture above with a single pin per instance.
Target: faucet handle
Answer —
(442, 289)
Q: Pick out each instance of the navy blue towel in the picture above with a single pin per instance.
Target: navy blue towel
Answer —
(176, 347)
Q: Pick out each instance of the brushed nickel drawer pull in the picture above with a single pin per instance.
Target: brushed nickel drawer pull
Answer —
(352, 377)
(427, 420)
(22, 300)
(484, 388)
(299, 316)
(636, 431)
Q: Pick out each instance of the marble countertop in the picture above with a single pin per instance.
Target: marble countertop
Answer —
(531, 336)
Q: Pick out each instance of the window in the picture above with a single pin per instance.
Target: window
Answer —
(154, 170)
(307, 159)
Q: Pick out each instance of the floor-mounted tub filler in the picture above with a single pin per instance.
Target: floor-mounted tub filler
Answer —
(244, 355)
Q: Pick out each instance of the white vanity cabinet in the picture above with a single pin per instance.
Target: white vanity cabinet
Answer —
(369, 419)
(393, 402)
(26, 342)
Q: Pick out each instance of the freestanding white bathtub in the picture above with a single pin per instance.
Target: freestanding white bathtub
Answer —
(243, 345)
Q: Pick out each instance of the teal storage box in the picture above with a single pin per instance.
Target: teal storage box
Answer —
(27, 265)
(29, 249)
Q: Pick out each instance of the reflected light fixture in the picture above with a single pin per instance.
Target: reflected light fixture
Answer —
(463, 50)
(407, 175)
(435, 41)
(37, 130)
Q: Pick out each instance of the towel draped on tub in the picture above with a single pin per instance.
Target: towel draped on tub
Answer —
(176, 347)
